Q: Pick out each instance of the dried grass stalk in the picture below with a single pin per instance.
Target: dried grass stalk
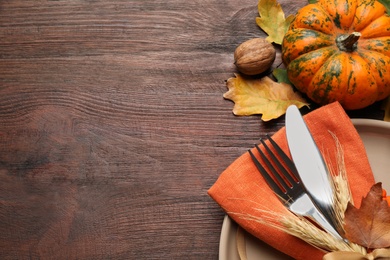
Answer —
(305, 230)
(339, 181)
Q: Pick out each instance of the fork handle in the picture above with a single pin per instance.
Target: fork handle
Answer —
(323, 222)
(304, 206)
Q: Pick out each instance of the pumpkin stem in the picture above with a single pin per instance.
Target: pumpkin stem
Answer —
(347, 42)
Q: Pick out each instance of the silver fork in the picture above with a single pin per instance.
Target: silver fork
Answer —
(288, 187)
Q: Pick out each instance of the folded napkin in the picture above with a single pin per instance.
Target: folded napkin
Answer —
(241, 190)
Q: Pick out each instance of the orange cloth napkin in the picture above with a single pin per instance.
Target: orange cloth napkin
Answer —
(241, 189)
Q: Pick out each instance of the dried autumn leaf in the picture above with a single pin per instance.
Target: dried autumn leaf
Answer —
(272, 20)
(369, 226)
(281, 75)
(261, 96)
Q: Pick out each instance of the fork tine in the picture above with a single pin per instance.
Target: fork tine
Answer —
(274, 186)
(271, 167)
(289, 163)
(282, 169)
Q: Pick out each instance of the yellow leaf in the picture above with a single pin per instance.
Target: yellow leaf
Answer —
(386, 107)
(261, 96)
(272, 20)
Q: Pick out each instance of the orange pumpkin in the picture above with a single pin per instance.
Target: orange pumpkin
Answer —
(339, 50)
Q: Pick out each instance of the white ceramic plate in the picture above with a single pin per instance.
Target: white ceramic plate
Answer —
(376, 138)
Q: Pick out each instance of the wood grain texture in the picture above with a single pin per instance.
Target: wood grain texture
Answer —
(113, 125)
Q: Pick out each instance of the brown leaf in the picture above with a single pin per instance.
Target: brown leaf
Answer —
(261, 96)
(272, 20)
(386, 108)
(369, 226)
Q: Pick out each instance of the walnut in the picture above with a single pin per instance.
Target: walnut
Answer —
(254, 56)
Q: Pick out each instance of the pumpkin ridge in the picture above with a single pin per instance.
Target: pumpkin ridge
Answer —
(342, 13)
(369, 44)
(366, 11)
(307, 65)
(314, 17)
(379, 63)
(362, 75)
(369, 31)
(308, 40)
(325, 96)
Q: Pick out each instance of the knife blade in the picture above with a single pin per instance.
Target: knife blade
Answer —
(310, 164)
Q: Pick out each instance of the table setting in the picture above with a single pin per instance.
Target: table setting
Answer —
(239, 191)
(209, 129)
(331, 208)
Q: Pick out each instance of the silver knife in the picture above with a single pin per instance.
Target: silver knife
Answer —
(310, 164)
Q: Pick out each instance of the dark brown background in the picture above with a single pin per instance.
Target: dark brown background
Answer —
(113, 125)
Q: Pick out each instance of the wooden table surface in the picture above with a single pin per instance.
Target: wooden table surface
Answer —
(113, 125)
